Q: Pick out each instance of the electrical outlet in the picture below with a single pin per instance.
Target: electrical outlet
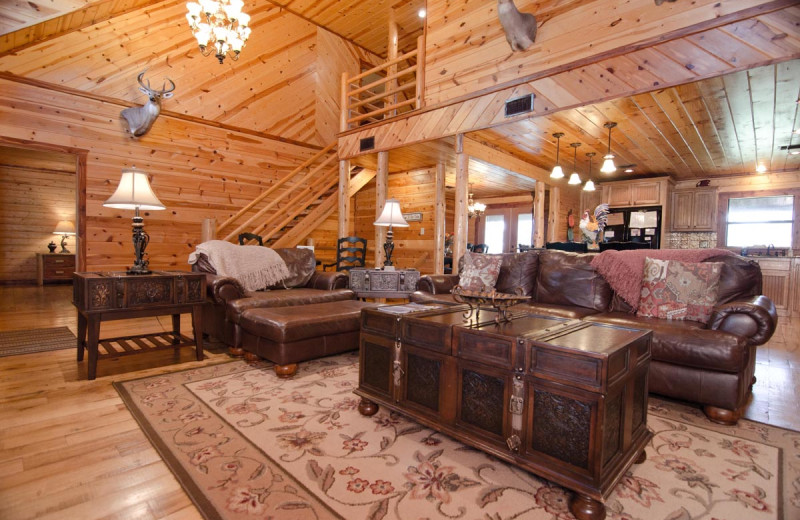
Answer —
(421, 231)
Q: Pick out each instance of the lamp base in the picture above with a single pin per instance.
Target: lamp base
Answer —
(138, 269)
(388, 268)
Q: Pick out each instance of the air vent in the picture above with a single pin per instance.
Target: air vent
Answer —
(368, 143)
(790, 147)
(519, 105)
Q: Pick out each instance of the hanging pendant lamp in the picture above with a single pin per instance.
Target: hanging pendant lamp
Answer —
(557, 172)
(608, 162)
(589, 186)
(575, 178)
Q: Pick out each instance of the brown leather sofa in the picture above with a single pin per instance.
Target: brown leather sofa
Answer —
(227, 300)
(709, 364)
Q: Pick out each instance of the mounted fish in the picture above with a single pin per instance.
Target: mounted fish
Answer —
(520, 27)
(140, 119)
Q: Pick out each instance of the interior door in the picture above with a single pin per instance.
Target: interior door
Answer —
(504, 228)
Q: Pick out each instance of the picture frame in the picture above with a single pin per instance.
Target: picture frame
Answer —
(413, 217)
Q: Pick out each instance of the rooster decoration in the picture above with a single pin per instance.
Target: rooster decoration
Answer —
(592, 225)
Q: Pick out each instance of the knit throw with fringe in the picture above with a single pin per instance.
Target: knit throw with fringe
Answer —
(255, 267)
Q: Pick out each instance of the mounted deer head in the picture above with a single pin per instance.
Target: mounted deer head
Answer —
(520, 27)
(140, 119)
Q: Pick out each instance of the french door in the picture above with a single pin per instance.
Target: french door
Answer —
(503, 229)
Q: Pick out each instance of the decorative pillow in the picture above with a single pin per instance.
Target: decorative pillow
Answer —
(676, 290)
(480, 271)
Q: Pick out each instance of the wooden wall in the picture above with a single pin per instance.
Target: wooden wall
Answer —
(35, 194)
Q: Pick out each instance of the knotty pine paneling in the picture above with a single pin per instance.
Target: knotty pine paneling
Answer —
(32, 202)
(198, 171)
(467, 49)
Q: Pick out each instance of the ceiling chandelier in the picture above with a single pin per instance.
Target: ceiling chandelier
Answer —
(475, 209)
(220, 27)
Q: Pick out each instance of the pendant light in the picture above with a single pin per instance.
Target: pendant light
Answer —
(608, 162)
(589, 186)
(557, 172)
(575, 178)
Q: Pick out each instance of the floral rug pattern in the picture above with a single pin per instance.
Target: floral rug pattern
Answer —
(246, 444)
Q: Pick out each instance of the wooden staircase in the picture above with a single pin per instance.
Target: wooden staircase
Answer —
(290, 209)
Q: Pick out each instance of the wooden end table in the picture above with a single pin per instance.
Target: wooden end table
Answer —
(105, 296)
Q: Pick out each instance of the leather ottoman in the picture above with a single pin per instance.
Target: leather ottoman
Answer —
(289, 335)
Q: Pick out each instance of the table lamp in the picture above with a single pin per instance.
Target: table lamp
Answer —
(391, 217)
(64, 228)
(134, 193)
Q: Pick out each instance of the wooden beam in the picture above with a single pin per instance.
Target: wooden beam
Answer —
(344, 198)
(538, 216)
(552, 213)
(438, 220)
(381, 188)
(460, 221)
(486, 153)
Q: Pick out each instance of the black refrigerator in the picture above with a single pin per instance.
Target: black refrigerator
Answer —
(640, 224)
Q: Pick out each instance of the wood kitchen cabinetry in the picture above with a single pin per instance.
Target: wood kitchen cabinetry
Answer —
(623, 194)
(694, 210)
(780, 280)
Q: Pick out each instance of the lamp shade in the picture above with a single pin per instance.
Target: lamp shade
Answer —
(557, 173)
(589, 186)
(574, 179)
(391, 215)
(134, 192)
(65, 227)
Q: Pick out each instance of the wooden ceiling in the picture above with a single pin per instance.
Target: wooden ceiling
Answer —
(711, 128)
(364, 23)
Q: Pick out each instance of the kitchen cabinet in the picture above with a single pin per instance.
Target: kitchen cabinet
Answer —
(634, 193)
(694, 210)
(778, 285)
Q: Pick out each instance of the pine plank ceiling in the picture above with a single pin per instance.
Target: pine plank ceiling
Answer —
(705, 129)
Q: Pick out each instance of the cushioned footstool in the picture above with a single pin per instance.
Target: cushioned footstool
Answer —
(289, 335)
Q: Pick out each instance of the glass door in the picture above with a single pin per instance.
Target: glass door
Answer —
(504, 229)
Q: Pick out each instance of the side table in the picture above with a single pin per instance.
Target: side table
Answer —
(104, 296)
(377, 283)
(54, 267)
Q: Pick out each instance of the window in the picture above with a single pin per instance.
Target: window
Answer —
(525, 229)
(495, 233)
(757, 221)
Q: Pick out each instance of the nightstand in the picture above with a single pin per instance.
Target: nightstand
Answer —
(54, 268)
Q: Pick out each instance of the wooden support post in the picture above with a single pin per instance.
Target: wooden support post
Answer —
(460, 220)
(438, 220)
(391, 53)
(381, 189)
(344, 113)
(552, 215)
(538, 215)
(420, 71)
(344, 198)
(209, 230)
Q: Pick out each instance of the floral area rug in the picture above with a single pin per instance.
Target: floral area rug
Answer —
(246, 444)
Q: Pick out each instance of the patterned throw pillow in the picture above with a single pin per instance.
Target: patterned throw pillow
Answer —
(480, 271)
(679, 290)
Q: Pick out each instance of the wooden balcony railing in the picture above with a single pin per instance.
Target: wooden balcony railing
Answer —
(397, 89)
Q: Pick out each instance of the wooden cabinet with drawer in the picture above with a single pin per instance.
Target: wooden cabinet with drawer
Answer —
(694, 210)
(778, 286)
(634, 193)
(54, 268)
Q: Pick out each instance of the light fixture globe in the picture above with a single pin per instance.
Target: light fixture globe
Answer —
(608, 162)
(558, 172)
(574, 178)
(589, 186)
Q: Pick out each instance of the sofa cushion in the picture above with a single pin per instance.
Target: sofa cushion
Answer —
(480, 271)
(569, 279)
(285, 298)
(675, 290)
(301, 264)
(685, 342)
(518, 270)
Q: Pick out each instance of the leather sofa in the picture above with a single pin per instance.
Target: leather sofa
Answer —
(228, 301)
(710, 364)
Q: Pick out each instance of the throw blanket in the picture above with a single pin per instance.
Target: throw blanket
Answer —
(624, 270)
(255, 267)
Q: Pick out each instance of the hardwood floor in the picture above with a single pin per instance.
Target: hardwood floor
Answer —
(70, 449)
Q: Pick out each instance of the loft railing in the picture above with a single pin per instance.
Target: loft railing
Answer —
(397, 89)
(304, 188)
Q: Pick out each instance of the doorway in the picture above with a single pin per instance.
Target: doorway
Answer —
(505, 229)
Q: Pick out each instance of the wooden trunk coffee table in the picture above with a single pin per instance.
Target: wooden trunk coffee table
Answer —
(564, 399)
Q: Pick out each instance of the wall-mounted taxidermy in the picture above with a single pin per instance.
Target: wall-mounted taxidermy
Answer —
(520, 27)
(140, 119)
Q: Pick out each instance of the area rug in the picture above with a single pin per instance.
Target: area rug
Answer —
(35, 340)
(246, 444)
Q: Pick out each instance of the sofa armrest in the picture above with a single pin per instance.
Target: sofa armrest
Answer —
(754, 319)
(328, 280)
(437, 283)
(222, 289)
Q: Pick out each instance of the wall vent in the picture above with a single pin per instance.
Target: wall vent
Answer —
(368, 143)
(519, 105)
